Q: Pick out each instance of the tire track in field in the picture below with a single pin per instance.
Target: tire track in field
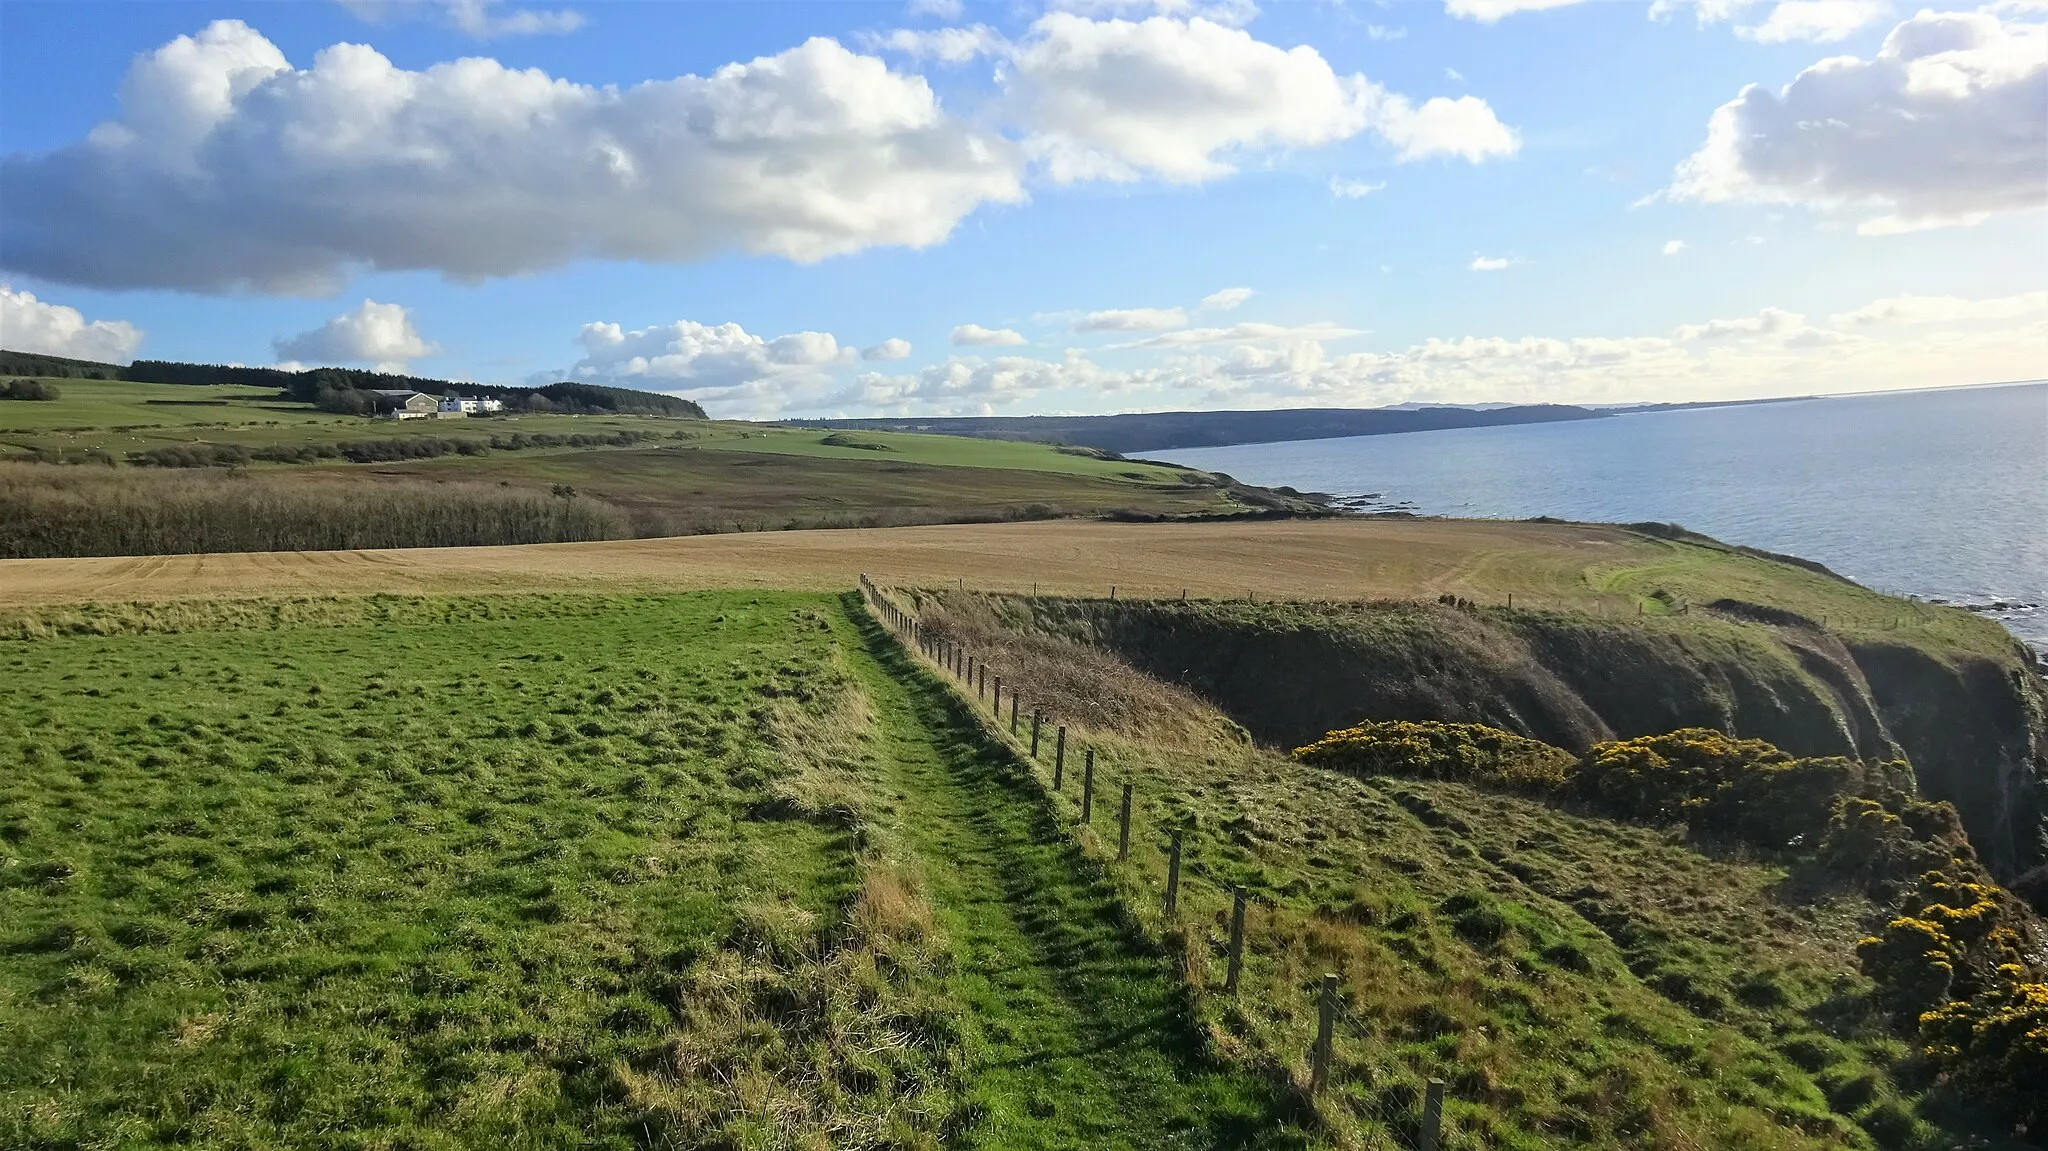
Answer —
(1082, 1032)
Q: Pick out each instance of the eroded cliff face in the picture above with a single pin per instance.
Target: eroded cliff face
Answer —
(1972, 727)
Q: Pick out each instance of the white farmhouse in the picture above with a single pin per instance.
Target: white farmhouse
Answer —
(454, 405)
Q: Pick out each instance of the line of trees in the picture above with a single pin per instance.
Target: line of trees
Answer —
(53, 512)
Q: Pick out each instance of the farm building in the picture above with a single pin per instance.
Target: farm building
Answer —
(453, 405)
(404, 403)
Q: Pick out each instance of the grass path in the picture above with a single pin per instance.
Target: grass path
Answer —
(1083, 1035)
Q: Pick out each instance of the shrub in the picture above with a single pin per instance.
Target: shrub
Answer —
(29, 390)
(1463, 751)
(1995, 1047)
(1714, 782)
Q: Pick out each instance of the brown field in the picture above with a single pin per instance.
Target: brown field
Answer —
(1582, 567)
(1286, 559)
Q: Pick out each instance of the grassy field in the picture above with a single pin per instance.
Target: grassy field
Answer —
(692, 870)
(1595, 569)
(119, 417)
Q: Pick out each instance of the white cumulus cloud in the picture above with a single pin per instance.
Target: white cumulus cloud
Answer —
(1819, 21)
(1131, 320)
(1943, 309)
(374, 333)
(28, 324)
(1942, 127)
(1181, 99)
(1673, 247)
(889, 349)
(1345, 189)
(946, 45)
(1488, 263)
(1491, 11)
(230, 169)
(724, 367)
(974, 335)
(1225, 299)
(1465, 127)
(1250, 332)
(481, 19)
(1768, 322)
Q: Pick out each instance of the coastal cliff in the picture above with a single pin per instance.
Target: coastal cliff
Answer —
(1971, 724)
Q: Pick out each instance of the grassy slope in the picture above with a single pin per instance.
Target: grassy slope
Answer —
(1576, 981)
(677, 870)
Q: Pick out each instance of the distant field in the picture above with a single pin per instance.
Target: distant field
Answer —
(119, 417)
(1574, 567)
(668, 475)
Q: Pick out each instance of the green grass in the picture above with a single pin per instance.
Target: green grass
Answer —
(943, 451)
(432, 870)
(692, 870)
(106, 404)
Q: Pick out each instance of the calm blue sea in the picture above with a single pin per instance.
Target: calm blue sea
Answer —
(1936, 494)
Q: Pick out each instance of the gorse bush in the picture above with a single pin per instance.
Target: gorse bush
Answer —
(1471, 752)
(1714, 783)
(83, 512)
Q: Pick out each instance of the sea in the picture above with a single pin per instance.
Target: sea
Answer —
(1939, 494)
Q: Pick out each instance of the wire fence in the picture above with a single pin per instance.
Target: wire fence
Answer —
(1407, 1116)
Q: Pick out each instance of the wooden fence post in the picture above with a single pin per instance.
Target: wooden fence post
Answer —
(1112, 593)
(1037, 717)
(1326, 1031)
(1432, 1115)
(1173, 877)
(1236, 940)
(1123, 827)
(1088, 787)
(981, 685)
(1013, 712)
(997, 706)
(1059, 758)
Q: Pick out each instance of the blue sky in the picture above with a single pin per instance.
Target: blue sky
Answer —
(954, 208)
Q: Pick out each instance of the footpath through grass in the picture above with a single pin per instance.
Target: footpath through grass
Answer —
(1086, 1035)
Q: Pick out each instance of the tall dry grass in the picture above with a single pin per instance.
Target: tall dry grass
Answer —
(59, 512)
(1076, 684)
